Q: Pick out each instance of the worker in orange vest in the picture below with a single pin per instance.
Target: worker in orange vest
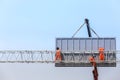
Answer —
(58, 54)
(101, 54)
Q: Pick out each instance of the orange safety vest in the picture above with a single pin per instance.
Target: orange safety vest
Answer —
(58, 52)
(58, 55)
(101, 54)
(92, 60)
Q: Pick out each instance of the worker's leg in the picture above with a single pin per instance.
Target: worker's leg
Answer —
(95, 73)
(60, 58)
(96, 77)
(56, 57)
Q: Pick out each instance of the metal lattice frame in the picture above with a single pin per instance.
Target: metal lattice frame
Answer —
(26, 56)
(38, 56)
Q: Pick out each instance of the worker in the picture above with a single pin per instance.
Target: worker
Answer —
(58, 55)
(101, 54)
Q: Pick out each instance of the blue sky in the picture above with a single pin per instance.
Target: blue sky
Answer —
(34, 25)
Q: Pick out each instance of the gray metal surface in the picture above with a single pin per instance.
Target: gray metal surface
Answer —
(85, 44)
(80, 49)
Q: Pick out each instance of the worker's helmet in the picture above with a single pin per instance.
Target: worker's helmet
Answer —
(101, 49)
(57, 48)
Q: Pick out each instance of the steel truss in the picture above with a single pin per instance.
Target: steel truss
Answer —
(43, 56)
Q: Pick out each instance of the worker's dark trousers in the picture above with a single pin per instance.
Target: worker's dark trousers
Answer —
(95, 73)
